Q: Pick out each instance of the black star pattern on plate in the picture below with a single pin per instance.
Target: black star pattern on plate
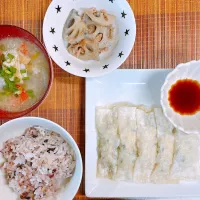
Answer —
(52, 30)
(67, 63)
(120, 54)
(111, 1)
(58, 9)
(86, 70)
(123, 14)
(127, 32)
(105, 66)
(55, 48)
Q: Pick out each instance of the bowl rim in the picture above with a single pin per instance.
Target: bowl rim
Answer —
(70, 140)
(42, 47)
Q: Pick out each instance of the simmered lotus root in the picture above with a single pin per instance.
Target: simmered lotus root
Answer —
(100, 17)
(90, 34)
(104, 14)
(75, 28)
(76, 32)
(91, 28)
(99, 37)
(71, 23)
(110, 33)
(85, 50)
(103, 49)
(81, 51)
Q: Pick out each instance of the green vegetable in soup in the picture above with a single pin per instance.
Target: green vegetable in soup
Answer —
(25, 78)
(30, 93)
(10, 84)
(10, 56)
(8, 71)
(13, 69)
(16, 80)
(23, 71)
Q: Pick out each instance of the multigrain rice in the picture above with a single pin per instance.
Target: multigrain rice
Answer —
(38, 163)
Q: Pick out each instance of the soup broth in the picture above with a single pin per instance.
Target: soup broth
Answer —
(24, 74)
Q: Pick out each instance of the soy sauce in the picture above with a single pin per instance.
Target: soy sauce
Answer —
(184, 97)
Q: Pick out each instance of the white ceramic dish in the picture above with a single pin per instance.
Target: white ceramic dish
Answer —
(187, 123)
(54, 21)
(15, 128)
(138, 87)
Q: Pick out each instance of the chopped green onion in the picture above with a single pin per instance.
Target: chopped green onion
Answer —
(11, 79)
(25, 78)
(2, 47)
(10, 75)
(16, 80)
(23, 71)
(7, 71)
(13, 69)
(10, 56)
(30, 93)
(10, 86)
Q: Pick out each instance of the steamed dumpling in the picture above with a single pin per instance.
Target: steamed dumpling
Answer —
(85, 50)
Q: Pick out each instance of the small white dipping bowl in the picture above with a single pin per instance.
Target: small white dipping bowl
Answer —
(187, 123)
(17, 127)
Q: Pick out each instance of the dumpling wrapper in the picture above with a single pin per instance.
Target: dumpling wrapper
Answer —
(165, 154)
(186, 162)
(108, 142)
(146, 144)
(127, 149)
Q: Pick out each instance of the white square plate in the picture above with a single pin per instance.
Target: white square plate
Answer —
(138, 87)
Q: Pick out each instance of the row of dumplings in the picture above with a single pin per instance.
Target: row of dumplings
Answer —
(139, 144)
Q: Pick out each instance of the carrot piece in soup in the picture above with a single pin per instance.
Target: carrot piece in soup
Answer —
(23, 48)
(18, 86)
(23, 96)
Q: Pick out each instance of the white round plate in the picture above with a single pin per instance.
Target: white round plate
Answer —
(17, 127)
(53, 25)
(187, 123)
